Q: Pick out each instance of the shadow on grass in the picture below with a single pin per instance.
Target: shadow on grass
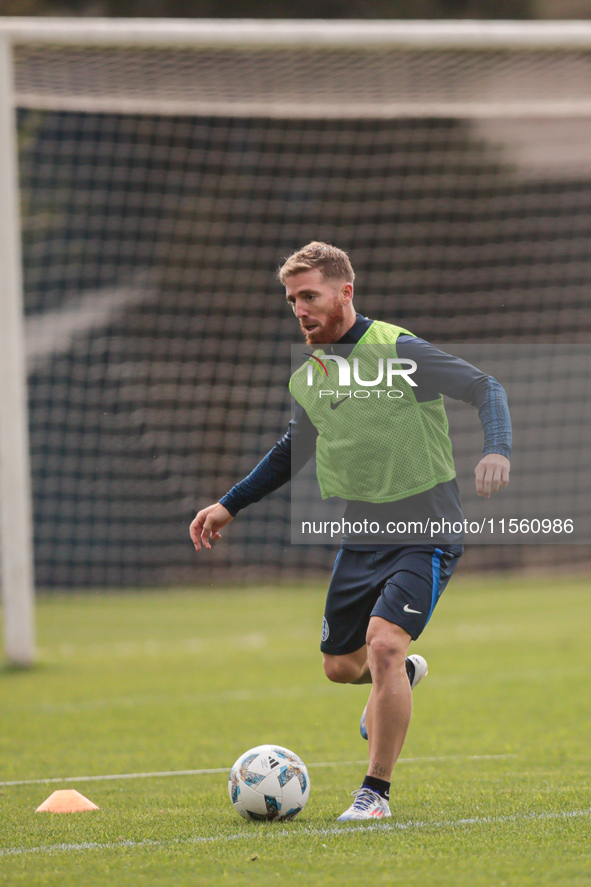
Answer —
(8, 669)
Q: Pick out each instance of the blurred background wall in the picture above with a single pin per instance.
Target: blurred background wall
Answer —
(362, 9)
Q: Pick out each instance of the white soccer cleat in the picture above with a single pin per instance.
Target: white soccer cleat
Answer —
(367, 805)
(421, 670)
(416, 669)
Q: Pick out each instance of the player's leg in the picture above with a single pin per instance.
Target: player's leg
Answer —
(355, 586)
(389, 707)
(387, 713)
(353, 668)
(348, 668)
(409, 595)
(352, 594)
(416, 669)
(400, 615)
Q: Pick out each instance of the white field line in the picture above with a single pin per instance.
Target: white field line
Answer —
(282, 833)
(160, 773)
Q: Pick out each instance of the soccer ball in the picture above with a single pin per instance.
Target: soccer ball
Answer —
(269, 783)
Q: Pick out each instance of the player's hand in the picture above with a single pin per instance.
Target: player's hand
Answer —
(492, 472)
(207, 524)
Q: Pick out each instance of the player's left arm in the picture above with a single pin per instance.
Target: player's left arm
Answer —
(492, 472)
(441, 373)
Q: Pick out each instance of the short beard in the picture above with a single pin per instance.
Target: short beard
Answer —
(327, 334)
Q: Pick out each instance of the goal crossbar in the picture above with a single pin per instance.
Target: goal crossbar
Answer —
(302, 69)
(269, 70)
(288, 33)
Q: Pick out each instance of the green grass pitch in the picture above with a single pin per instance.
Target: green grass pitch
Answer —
(493, 788)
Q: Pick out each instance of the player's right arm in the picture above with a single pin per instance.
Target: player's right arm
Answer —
(205, 527)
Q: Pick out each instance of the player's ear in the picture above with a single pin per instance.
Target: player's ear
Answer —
(346, 293)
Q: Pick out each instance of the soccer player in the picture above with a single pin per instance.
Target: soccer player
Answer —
(380, 597)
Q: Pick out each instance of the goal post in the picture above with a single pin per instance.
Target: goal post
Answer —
(16, 557)
(165, 169)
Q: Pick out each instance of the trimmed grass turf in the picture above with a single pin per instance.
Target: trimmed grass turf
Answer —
(135, 683)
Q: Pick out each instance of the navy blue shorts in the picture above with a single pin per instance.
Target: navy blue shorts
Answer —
(401, 584)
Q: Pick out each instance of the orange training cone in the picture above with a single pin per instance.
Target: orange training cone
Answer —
(66, 801)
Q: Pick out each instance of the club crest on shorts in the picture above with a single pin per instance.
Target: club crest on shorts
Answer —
(325, 629)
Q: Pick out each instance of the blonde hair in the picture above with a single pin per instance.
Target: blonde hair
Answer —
(333, 262)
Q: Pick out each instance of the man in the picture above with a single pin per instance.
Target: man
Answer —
(380, 596)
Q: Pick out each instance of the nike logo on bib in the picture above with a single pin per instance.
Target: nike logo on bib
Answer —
(407, 609)
(335, 404)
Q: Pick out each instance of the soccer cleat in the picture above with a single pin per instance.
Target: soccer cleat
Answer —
(367, 805)
(416, 669)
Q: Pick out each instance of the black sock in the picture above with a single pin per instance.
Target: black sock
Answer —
(378, 785)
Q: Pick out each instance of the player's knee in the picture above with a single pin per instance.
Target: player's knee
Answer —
(340, 669)
(387, 646)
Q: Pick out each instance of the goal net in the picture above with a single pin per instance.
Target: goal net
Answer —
(165, 171)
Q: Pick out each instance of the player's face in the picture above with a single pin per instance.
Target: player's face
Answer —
(319, 305)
